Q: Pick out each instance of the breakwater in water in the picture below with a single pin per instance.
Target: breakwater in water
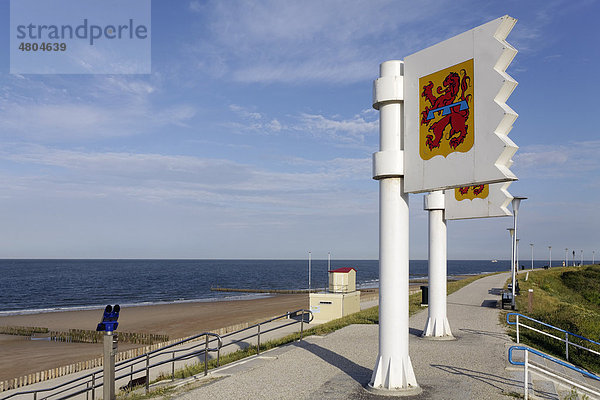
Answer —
(274, 291)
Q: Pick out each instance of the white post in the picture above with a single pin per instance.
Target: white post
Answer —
(309, 257)
(393, 369)
(437, 326)
(109, 366)
(526, 375)
(531, 244)
(516, 201)
(512, 265)
(517, 254)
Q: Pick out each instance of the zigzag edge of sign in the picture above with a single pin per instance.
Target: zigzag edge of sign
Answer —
(504, 161)
(509, 197)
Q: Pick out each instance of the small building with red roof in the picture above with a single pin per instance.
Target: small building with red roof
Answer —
(342, 280)
(341, 298)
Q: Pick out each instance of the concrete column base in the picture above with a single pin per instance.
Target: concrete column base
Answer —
(394, 377)
(437, 328)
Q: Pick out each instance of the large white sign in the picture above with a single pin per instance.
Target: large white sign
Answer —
(456, 117)
(479, 201)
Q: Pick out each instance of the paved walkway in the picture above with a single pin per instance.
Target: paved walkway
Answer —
(339, 365)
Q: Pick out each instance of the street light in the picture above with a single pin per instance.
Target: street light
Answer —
(550, 258)
(517, 255)
(512, 264)
(566, 259)
(309, 259)
(531, 244)
(573, 257)
(593, 254)
(516, 201)
(581, 265)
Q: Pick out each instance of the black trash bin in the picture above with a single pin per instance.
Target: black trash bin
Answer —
(424, 295)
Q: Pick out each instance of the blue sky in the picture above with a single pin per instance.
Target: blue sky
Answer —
(252, 137)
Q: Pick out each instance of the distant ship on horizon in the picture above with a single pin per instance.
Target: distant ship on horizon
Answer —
(494, 260)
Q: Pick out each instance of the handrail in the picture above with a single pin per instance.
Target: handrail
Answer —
(566, 333)
(527, 365)
(550, 358)
(549, 326)
(93, 380)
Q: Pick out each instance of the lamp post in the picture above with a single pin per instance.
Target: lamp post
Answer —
(512, 264)
(573, 257)
(593, 254)
(516, 201)
(581, 265)
(531, 244)
(550, 257)
(566, 257)
(309, 259)
(517, 255)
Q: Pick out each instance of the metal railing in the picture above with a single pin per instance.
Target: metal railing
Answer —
(88, 383)
(527, 365)
(566, 334)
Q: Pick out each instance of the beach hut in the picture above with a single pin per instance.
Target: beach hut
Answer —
(341, 299)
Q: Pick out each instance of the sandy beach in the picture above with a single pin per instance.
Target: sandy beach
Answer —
(21, 356)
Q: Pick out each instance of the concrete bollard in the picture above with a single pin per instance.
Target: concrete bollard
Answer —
(530, 302)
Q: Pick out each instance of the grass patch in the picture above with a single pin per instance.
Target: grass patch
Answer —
(567, 298)
(158, 392)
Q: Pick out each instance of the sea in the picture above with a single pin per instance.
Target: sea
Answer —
(37, 286)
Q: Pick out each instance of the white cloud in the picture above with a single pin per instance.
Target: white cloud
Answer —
(548, 161)
(292, 42)
(111, 106)
(252, 121)
(244, 113)
(351, 130)
(337, 130)
(195, 6)
(314, 188)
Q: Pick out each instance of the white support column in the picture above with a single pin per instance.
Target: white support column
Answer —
(393, 372)
(437, 326)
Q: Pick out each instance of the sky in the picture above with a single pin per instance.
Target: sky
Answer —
(252, 137)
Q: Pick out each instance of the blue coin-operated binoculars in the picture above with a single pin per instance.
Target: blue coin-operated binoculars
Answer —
(108, 325)
(109, 319)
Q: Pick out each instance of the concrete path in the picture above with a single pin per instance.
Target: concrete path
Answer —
(339, 365)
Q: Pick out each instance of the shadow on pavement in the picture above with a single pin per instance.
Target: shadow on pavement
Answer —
(484, 304)
(415, 332)
(496, 291)
(498, 382)
(498, 335)
(490, 303)
(357, 372)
